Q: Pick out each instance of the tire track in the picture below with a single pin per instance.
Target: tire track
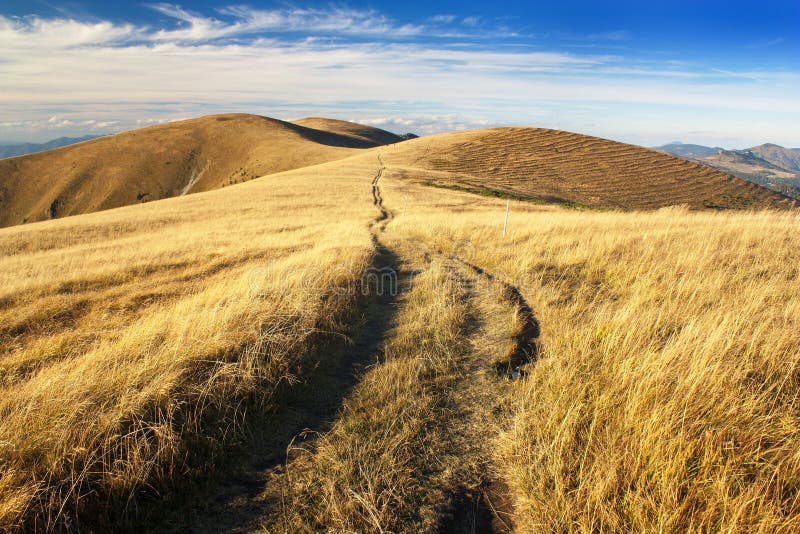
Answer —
(526, 345)
(486, 506)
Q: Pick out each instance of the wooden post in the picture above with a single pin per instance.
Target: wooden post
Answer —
(505, 222)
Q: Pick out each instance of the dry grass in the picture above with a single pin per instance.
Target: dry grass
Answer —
(666, 393)
(367, 135)
(377, 469)
(664, 396)
(132, 341)
(165, 161)
(562, 167)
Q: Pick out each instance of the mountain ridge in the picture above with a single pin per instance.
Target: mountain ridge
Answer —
(20, 149)
(769, 165)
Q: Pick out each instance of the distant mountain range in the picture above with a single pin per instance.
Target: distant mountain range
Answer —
(8, 151)
(770, 165)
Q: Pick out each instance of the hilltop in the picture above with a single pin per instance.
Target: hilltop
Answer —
(167, 160)
(568, 168)
(367, 136)
(217, 151)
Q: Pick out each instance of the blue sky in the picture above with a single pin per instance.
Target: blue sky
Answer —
(718, 73)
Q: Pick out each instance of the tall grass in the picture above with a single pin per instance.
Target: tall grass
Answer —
(377, 469)
(664, 396)
(666, 393)
(133, 341)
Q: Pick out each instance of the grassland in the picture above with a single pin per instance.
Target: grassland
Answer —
(562, 167)
(664, 394)
(169, 160)
(592, 371)
(133, 340)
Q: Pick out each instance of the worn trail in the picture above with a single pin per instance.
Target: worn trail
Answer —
(463, 491)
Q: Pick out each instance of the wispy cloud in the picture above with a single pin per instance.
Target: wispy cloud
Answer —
(245, 20)
(54, 34)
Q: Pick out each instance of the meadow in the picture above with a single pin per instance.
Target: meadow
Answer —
(593, 370)
(133, 341)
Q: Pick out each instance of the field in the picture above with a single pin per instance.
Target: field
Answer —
(599, 368)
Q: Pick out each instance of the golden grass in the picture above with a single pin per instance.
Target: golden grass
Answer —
(666, 393)
(367, 136)
(664, 396)
(163, 161)
(573, 169)
(133, 340)
(376, 470)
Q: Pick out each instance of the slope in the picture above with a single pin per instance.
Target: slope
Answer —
(139, 347)
(366, 135)
(785, 158)
(562, 167)
(159, 162)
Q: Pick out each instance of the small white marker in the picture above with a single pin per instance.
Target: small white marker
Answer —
(505, 222)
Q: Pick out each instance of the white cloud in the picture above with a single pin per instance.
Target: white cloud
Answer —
(428, 124)
(246, 20)
(28, 33)
(120, 75)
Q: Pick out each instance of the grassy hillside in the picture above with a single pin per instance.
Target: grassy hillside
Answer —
(555, 166)
(367, 135)
(133, 340)
(662, 394)
(591, 371)
(160, 162)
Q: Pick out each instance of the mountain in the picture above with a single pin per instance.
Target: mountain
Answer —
(785, 158)
(7, 151)
(688, 150)
(216, 151)
(169, 160)
(768, 165)
(561, 167)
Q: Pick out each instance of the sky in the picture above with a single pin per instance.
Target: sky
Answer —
(715, 73)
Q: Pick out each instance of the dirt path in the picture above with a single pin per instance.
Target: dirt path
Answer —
(234, 500)
(464, 492)
(482, 504)
(478, 500)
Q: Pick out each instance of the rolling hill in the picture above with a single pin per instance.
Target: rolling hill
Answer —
(165, 161)
(217, 151)
(367, 136)
(561, 167)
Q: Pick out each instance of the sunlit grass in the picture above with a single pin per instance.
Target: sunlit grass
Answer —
(132, 341)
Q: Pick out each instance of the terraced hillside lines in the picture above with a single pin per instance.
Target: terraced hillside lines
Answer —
(563, 167)
(164, 161)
